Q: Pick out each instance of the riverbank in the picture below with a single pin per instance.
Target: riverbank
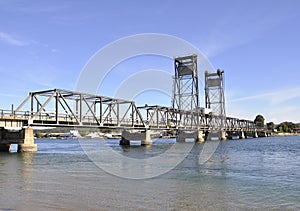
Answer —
(286, 134)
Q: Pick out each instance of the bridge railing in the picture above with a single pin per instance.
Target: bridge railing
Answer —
(14, 114)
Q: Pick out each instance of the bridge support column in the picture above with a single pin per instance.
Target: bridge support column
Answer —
(200, 136)
(183, 135)
(147, 140)
(124, 141)
(223, 135)
(143, 136)
(5, 147)
(215, 135)
(28, 144)
(255, 135)
(242, 134)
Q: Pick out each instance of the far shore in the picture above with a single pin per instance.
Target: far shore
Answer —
(286, 134)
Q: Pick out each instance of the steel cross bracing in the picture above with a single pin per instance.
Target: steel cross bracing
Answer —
(67, 108)
(64, 108)
(186, 90)
(233, 124)
(59, 107)
(166, 117)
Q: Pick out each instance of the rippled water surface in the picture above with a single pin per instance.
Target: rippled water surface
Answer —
(242, 174)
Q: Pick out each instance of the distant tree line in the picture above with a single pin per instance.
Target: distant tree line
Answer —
(287, 127)
(284, 127)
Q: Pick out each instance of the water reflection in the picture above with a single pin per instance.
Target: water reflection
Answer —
(27, 170)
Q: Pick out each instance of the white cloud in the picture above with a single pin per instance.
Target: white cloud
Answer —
(272, 97)
(277, 106)
(10, 39)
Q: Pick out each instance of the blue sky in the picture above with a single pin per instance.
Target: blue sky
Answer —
(46, 44)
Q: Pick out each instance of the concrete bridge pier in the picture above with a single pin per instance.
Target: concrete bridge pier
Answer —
(28, 144)
(124, 141)
(24, 138)
(242, 134)
(147, 138)
(144, 137)
(182, 135)
(255, 135)
(215, 135)
(200, 136)
(223, 135)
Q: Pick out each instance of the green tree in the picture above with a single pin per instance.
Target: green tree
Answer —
(286, 127)
(259, 120)
(271, 126)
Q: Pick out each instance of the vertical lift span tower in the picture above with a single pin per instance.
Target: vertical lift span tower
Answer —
(186, 90)
(215, 100)
(186, 95)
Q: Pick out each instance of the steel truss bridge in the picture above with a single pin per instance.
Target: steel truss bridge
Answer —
(64, 108)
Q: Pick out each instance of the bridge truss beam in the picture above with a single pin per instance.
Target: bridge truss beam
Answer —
(63, 107)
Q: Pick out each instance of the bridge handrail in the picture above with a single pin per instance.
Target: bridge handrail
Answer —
(14, 114)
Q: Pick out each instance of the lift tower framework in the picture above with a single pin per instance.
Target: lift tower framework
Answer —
(186, 90)
(214, 99)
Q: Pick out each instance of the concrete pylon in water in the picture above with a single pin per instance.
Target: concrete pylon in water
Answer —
(28, 144)
(147, 140)
(144, 137)
(200, 136)
(24, 138)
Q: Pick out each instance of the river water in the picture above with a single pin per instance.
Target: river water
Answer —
(251, 174)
